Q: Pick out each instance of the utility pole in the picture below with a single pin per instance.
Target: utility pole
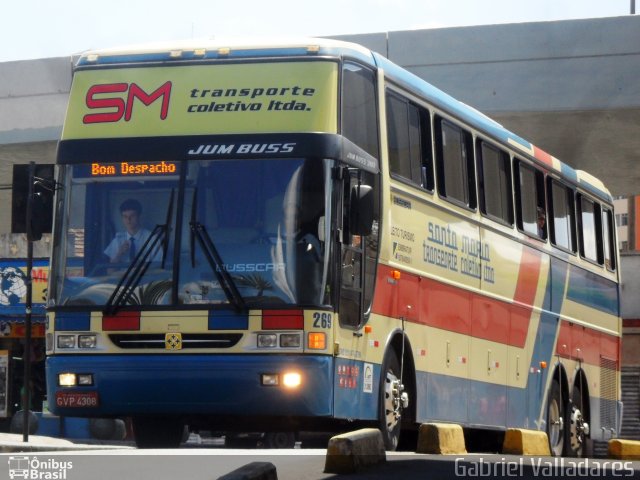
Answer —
(633, 7)
(26, 355)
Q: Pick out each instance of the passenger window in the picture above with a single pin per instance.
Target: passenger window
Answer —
(562, 212)
(359, 111)
(495, 183)
(590, 229)
(530, 204)
(409, 139)
(454, 163)
(608, 236)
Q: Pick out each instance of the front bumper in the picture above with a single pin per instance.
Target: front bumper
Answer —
(192, 385)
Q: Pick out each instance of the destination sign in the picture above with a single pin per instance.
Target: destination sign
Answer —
(124, 169)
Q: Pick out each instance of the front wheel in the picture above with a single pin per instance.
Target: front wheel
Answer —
(279, 440)
(158, 432)
(391, 401)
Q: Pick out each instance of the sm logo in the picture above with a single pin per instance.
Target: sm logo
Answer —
(115, 101)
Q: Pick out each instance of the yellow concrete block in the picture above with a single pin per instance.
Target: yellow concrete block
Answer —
(519, 441)
(351, 452)
(441, 438)
(624, 449)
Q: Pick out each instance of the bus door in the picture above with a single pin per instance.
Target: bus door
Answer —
(358, 227)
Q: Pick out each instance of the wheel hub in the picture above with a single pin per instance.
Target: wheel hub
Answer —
(579, 428)
(395, 399)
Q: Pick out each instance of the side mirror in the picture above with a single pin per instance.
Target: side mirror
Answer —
(361, 213)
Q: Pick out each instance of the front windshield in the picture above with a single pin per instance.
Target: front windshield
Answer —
(253, 227)
(266, 220)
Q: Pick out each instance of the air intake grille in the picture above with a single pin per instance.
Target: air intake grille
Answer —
(189, 340)
(608, 392)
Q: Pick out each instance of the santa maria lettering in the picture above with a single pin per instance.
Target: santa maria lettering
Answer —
(456, 252)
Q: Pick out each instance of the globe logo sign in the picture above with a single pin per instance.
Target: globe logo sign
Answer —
(12, 286)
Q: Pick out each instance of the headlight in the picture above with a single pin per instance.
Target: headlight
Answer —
(290, 340)
(267, 340)
(66, 341)
(67, 379)
(87, 341)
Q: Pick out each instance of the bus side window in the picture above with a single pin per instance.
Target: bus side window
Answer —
(359, 107)
(562, 215)
(454, 164)
(409, 139)
(590, 227)
(608, 236)
(494, 171)
(530, 203)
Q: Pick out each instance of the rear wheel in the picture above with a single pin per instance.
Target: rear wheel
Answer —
(158, 432)
(577, 428)
(555, 420)
(390, 405)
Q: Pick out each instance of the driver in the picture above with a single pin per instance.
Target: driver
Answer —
(126, 244)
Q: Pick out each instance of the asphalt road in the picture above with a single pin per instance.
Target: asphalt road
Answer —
(297, 464)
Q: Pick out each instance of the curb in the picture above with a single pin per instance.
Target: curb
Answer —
(624, 449)
(253, 471)
(518, 441)
(351, 452)
(441, 438)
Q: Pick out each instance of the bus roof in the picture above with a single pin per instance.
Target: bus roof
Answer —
(245, 48)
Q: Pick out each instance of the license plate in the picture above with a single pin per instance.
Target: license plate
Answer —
(77, 399)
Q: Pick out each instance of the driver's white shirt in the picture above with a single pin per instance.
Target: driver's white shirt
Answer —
(139, 239)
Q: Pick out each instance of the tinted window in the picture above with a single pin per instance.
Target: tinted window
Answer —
(495, 183)
(589, 226)
(530, 201)
(359, 112)
(562, 216)
(609, 239)
(454, 167)
(409, 139)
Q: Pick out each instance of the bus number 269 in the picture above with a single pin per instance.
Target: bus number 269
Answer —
(321, 320)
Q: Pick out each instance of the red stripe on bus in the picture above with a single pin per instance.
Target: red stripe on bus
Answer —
(578, 342)
(543, 156)
(435, 304)
(528, 277)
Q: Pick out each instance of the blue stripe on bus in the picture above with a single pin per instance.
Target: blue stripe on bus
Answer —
(546, 338)
(73, 321)
(228, 320)
(195, 384)
(591, 290)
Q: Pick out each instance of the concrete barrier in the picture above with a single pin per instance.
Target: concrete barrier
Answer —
(519, 441)
(353, 451)
(441, 438)
(624, 449)
(253, 471)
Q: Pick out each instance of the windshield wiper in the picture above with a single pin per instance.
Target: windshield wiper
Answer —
(199, 233)
(140, 263)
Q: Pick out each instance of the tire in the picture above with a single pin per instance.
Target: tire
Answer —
(575, 433)
(17, 422)
(555, 420)
(157, 432)
(388, 420)
(279, 440)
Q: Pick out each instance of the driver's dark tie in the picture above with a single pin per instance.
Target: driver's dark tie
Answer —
(132, 248)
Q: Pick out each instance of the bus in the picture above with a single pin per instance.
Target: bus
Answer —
(324, 240)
